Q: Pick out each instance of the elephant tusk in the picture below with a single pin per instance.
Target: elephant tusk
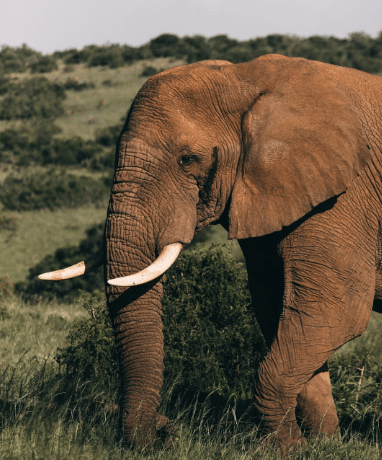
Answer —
(79, 269)
(166, 258)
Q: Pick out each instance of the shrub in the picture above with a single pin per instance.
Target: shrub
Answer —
(71, 151)
(8, 222)
(16, 59)
(34, 143)
(44, 64)
(164, 45)
(110, 56)
(148, 71)
(90, 353)
(72, 83)
(51, 189)
(4, 84)
(356, 385)
(6, 288)
(34, 289)
(34, 97)
(212, 341)
(108, 137)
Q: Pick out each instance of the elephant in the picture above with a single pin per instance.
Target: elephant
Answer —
(286, 154)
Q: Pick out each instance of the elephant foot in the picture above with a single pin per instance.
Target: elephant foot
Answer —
(150, 436)
(284, 441)
(165, 433)
(315, 406)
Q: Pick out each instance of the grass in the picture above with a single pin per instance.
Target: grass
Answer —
(85, 422)
(370, 340)
(40, 233)
(86, 425)
(101, 106)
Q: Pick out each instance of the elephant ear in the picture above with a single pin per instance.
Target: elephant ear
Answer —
(300, 147)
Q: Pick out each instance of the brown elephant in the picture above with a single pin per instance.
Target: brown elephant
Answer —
(286, 154)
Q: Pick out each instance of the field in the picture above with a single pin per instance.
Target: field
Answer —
(85, 425)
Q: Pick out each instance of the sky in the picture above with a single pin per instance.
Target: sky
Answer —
(52, 25)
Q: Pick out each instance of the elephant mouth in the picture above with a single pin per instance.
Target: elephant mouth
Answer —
(162, 263)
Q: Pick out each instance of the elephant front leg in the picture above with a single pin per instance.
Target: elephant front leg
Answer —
(316, 410)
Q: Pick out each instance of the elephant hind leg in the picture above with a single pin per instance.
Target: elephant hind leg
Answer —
(315, 405)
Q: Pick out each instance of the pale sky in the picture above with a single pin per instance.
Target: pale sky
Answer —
(51, 25)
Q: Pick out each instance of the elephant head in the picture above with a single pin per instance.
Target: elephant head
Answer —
(254, 146)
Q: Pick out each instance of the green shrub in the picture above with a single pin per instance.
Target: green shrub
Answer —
(4, 84)
(212, 341)
(16, 59)
(108, 137)
(34, 97)
(51, 189)
(110, 56)
(90, 353)
(34, 143)
(72, 83)
(6, 288)
(8, 222)
(71, 151)
(356, 385)
(33, 289)
(164, 45)
(149, 70)
(44, 64)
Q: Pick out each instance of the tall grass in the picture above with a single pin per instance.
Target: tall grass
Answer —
(42, 418)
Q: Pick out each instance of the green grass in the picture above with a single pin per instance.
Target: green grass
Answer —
(40, 233)
(85, 426)
(370, 340)
(103, 105)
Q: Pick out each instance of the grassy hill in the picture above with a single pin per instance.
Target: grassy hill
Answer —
(104, 102)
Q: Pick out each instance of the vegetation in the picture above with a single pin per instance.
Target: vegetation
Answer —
(35, 97)
(59, 392)
(359, 50)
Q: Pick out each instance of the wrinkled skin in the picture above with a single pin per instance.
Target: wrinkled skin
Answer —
(286, 155)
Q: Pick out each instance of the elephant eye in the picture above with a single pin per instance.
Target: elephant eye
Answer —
(186, 160)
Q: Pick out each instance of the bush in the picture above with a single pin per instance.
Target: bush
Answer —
(34, 97)
(6, 288)
(16, 59)
(50, 190)
(35, 143)
(72, 83)
(4, 84)
(44, 64)
(212, 341)
(110, 56)
(356, 385)
(71, 151)
(164, 45)
(149, 70)
(33, 289)
(108, 137)
(90, 353)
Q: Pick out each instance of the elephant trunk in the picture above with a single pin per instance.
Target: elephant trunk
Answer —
(136, 318)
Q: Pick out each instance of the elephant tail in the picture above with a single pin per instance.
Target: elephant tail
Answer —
(90, 264)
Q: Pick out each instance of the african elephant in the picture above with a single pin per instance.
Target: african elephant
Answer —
(286, 154)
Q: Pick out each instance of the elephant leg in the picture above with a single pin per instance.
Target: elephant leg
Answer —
(315, 405)
(329, 288)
